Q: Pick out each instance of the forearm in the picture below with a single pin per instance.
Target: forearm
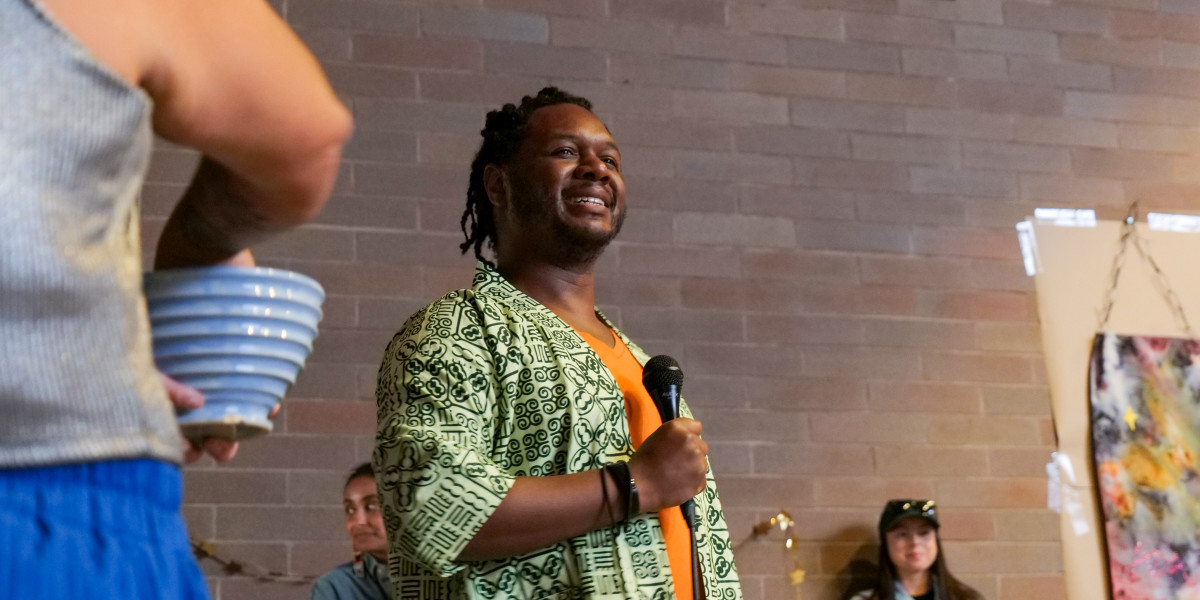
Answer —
(541, 511)
(223, 213)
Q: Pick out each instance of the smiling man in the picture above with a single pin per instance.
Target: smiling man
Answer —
(518, 454)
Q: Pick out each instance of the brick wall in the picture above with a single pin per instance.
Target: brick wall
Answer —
(822, 197)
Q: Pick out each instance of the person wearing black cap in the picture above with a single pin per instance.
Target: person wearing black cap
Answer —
(911, 563)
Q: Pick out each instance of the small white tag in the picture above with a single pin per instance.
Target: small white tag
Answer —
(1170, 222)
(1053, 483)
(1028, 247)
(1067, 217)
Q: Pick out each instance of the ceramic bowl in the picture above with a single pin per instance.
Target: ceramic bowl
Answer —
(240, 335)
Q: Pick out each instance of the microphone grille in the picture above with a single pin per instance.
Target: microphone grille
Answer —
(661, 371)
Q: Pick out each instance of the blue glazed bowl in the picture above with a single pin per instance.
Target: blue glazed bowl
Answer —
(240, 335)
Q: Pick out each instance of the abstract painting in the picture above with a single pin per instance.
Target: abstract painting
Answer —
(1145, 396)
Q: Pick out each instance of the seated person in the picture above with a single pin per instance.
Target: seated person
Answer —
(366, 577)
(911, 564)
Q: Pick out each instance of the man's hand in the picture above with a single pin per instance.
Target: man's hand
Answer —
(186, 397)
(670, 466)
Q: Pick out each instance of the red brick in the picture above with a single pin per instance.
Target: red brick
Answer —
(680, 12)
(922, 272)
(294, 452)
(742, 359)
(279, 523)
(1009, 41)
(491, 91)
(796, 203)
(969, 11)
(1182, 56)
(841, 235)
(786, 81)
(621, 99)
(639, 290)
(549, 7)
(323, 380)
(994, 493)
(867, 300)
(420, 181)
(944, 463)
(1066, 132)
(907, 333)
(328, 417)
(764, 492)
(991, 96)
(981, 367)
(893, 30)
(1130, 4)
(1156, 138)
(875, 428)
(732, 107)
(387, 212)
(1075, 75)
(791, 141)
(358, 80)
(812, 459)
(365, 279)
(1016, 157)
(985, 431)
(1181, 83)
(905, 149)
(442, 21)
(1008, 275)
(1061, 188)
(738, 230)
(872, 363)
(508, 58)
(853, 116)
(957, 64)
(683, 325)
(1019, 462)
(675, 72)
(803, 330)
(320, 488)
(964, 182)
(786, 20)
(425, 53)
(808, 266)
(678, 260)
(1013, 337)
(1058, 17)
(450, 149)
(681, 194)
(965, 241)
(717, 44)
(404, 115)
(912, 209)
(625, 36)
(1116, 107)
(924, 397)
(712, 166)
(770, 426)
(867, 492)
(1023, 587)
(917, 91)
(806, 393)
(354, 14)
(227, 486)
(317, 557)
(843, 56)
(1109, 51)
(853, 175)
(945, 122)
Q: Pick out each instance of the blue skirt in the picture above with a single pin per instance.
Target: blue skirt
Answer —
(99, 530)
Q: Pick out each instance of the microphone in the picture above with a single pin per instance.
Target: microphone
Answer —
(664, 379)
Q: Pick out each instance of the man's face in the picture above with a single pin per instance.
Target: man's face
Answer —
(912, 545)
(565, 185)
(364, 521)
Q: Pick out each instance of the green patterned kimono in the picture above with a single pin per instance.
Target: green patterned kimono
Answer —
(485, 385)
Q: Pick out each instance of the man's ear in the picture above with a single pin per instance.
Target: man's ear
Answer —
(496, 185)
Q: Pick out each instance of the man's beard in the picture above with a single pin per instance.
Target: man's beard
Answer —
(572, 245)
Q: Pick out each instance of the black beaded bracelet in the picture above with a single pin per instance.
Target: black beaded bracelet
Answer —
(625, 482)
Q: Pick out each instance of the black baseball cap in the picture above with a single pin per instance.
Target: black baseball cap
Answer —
(898, 510)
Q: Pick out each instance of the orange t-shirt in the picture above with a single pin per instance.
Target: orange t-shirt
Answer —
(643, 420)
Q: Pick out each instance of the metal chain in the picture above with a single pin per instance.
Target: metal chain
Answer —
(1129, 232)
